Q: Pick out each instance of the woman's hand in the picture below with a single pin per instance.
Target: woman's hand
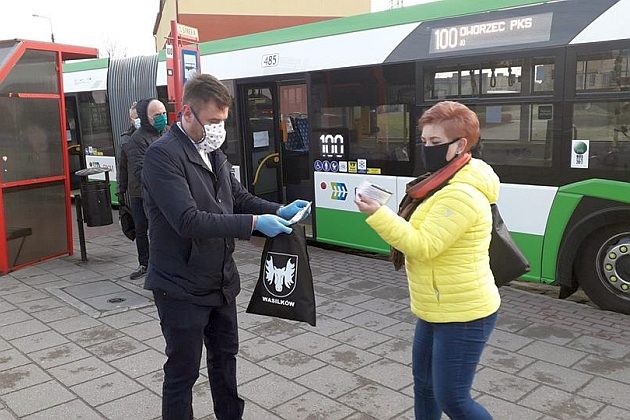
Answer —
(366, 205)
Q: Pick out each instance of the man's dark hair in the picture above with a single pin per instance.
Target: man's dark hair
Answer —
(204, 88)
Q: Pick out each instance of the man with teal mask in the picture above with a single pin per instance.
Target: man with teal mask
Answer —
(153, 123)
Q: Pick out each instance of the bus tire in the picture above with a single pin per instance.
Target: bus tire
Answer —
(603, 267)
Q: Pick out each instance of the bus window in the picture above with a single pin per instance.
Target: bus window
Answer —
(375, 132)
(446, 84)
(516, 134)
(609, 71)
(96, 129)
(443, 85)
(543, 75)
(504, 78)
(364, 113)
(607, 126)
(470, 82)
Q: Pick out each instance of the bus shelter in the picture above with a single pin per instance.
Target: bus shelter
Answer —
(35, 208)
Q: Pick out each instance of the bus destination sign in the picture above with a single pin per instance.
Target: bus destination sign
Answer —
(495, 33)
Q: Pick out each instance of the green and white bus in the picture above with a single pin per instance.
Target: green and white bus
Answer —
(321, 107)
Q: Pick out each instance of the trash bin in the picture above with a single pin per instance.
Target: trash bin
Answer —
(96, 197)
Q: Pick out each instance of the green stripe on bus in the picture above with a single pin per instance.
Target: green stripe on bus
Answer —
(85, 65)
(564, 204)
(600, 188)
(347, 228)
(561, 210)
(532, 246)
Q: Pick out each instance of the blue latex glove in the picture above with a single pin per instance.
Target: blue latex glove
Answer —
(288, 211)
(272, 225)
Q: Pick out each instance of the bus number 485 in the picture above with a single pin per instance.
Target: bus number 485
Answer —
(270, 60)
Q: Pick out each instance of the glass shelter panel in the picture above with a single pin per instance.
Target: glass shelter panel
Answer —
(30, 139)
(35, 220)
(6, 50)
(35, 72)
(606, 126)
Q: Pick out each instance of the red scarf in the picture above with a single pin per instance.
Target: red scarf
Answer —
(421, 188)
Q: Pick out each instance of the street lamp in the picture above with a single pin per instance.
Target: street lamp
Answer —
(52, 35)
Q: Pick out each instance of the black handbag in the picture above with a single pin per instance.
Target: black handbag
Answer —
(285, 284)
(507, 262)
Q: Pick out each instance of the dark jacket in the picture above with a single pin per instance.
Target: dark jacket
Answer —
(122, 174)
(137, 147)
(194, 215)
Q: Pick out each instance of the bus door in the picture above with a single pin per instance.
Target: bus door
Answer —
(276, 135)
(261, 141)
(294, 145)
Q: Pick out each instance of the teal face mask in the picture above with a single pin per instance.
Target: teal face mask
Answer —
(159, 122)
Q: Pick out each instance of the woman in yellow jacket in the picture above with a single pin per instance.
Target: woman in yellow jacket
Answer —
(445, 245)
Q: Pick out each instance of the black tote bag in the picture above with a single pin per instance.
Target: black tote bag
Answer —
(285, 283)
(126, 222)
(507, 262)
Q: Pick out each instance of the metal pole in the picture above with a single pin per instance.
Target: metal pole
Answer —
(52, 34)
(79, 209)
(177, 66)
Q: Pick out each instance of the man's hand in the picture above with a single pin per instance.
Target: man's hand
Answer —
(271, 225)
(290, 210)
(121, 199)
(366, 205)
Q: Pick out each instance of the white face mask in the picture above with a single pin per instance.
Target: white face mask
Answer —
(214, 137)
(136, 123)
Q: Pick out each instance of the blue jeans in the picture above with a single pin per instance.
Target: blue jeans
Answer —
(445, 357)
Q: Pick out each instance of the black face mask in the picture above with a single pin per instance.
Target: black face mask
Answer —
(434, 157)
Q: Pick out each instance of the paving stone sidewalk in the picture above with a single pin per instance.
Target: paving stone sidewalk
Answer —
(70, 348)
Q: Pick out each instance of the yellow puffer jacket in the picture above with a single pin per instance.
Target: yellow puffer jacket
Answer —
(445, 243)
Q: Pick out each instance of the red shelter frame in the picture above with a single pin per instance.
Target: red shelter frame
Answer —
(63, 53)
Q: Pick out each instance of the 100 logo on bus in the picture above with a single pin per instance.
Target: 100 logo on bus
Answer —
(332, 146)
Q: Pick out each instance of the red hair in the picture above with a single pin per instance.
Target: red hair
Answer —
(456, 119)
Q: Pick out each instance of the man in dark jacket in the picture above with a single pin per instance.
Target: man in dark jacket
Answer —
(152, 114)
(122, 172)
(196, 208)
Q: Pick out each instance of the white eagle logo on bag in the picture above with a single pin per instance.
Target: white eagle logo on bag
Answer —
(277, 280)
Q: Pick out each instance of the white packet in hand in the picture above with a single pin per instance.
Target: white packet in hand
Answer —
(373, 191)
(301, 214)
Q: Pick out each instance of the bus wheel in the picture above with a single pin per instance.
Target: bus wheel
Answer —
(603, 268)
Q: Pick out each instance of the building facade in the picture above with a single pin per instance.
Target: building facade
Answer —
(224, 19)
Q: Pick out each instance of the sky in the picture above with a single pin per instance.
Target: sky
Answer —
(125, 25)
